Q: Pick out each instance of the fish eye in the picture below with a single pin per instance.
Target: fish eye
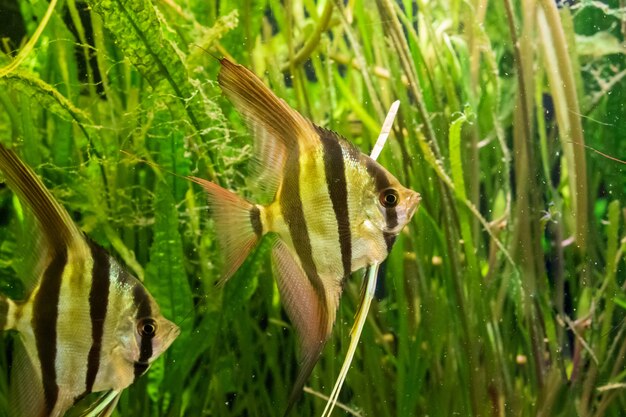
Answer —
(147, 327)
(389, 198)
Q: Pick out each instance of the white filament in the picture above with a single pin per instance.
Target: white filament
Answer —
(384, 131)
(355, 335)
(371, 277)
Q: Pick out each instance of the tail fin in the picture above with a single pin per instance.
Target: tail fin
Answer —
(237, 223)
(7, 313)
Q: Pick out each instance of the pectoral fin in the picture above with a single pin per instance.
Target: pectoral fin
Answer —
(109, 405)
(311, 312)
(103, 406)
(7, 313)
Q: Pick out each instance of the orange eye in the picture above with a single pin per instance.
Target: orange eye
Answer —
(147, 327)
(389, 198)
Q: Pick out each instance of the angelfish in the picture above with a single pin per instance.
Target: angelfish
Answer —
(335, 210)
(87, 325)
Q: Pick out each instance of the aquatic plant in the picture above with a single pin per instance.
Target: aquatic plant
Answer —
(504, 296)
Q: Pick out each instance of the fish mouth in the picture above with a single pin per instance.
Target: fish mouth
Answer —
(413, 204)
(175, 331)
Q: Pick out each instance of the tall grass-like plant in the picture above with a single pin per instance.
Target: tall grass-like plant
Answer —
(505, 295)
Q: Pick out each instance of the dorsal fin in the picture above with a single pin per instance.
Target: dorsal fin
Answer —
(345, 144)
(262, 108)
(58, 228)
(277, 128)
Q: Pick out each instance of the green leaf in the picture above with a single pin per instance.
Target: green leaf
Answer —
(456, 164)
(139, 32)
(165, 274)
(46, 96)
(620, 302)
(612, 235)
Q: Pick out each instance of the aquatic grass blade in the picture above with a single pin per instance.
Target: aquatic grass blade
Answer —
(166, 271)
(563, 88)
(28, 48)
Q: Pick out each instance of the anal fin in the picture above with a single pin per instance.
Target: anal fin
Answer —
(312, 313)
(26, 399)
(102, 406)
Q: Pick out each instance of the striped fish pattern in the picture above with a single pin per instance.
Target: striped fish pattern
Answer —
(335, 210)
(87, 325)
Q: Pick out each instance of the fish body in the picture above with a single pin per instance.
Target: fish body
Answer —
(339, 189)
(335, 210)
(87, 325)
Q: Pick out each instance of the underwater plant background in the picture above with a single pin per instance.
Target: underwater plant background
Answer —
(504, 296)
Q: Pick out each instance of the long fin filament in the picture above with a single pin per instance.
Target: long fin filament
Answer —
(355, 335)
(7, 313)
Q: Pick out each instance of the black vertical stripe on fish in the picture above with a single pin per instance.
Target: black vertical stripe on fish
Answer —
(390, 239)
(392, 217)
(382, 182)
(291, 207)
(334, 168)
(141, 298)
(142, 302)
(140, 368)
(378, 175)
(98, 303)
(44, 321)
(255, 221)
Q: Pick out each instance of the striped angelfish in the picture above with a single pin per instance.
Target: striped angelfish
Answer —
(335, 210)
(87, 325)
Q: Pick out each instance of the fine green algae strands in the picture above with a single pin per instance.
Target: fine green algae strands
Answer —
(140, 33)
(48, 97)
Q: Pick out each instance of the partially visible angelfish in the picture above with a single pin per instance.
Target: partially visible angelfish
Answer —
(87, 325)
(335, 210)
